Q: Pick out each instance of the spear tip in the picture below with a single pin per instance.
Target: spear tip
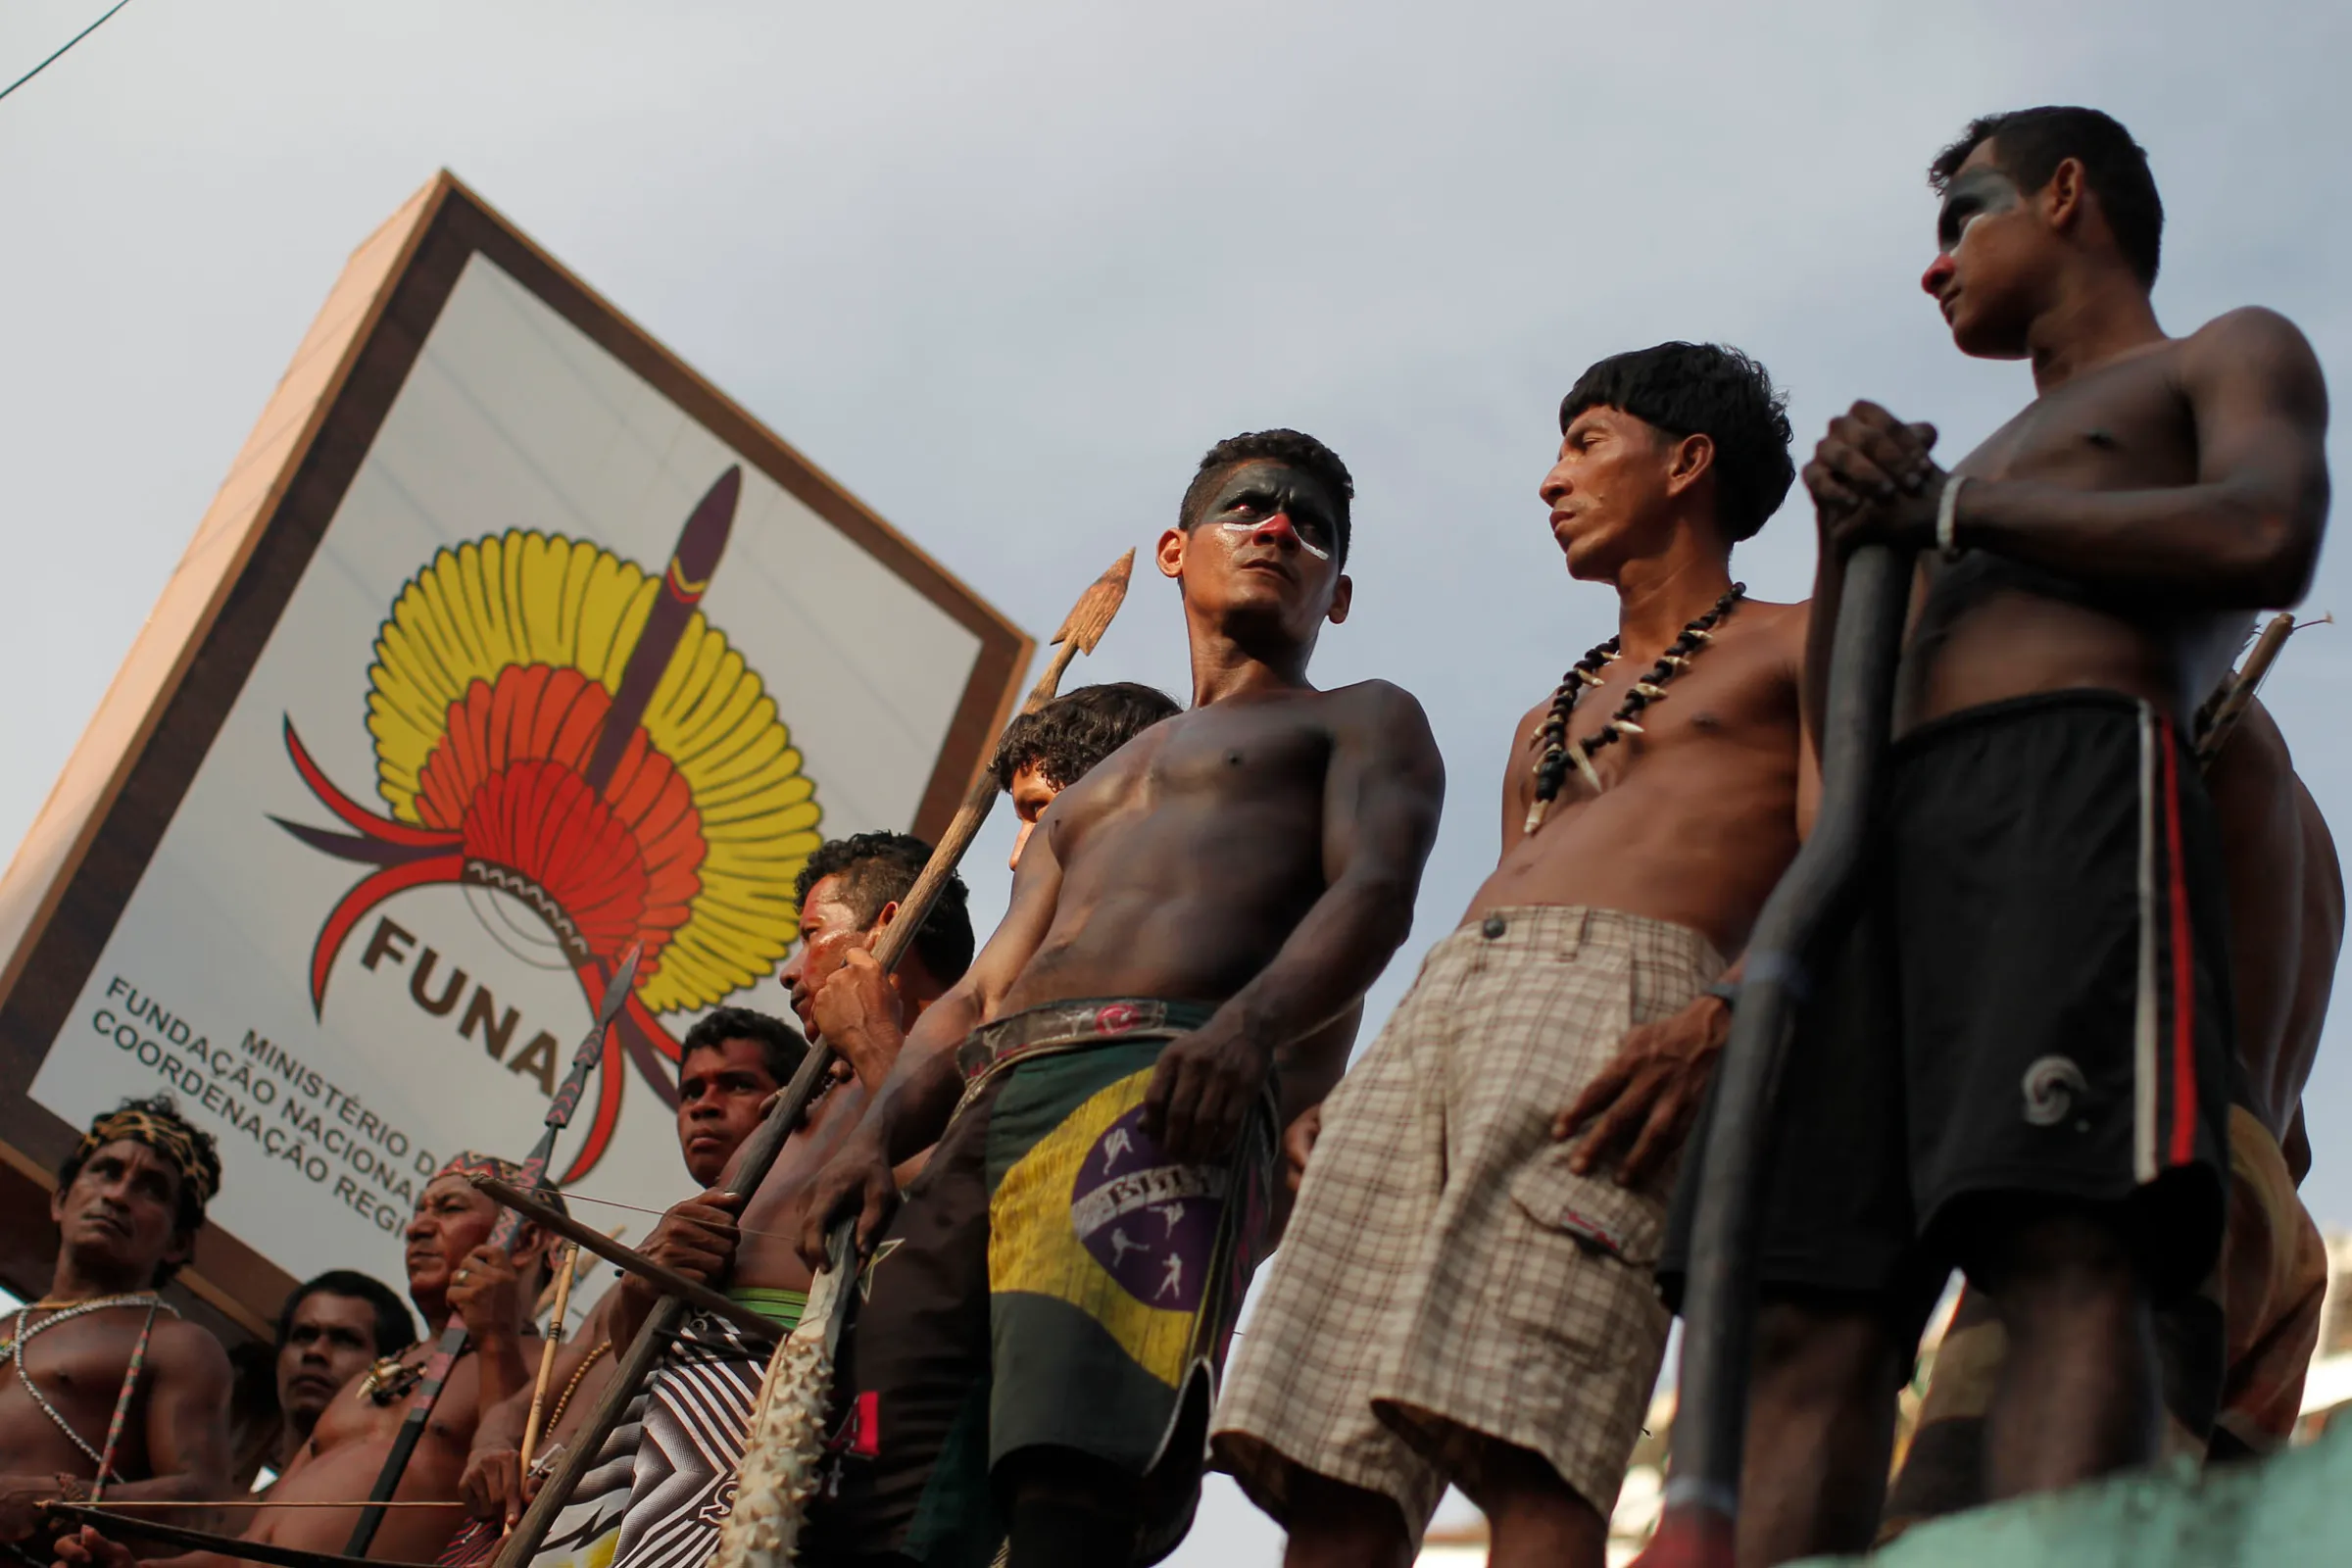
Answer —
(1090, 617)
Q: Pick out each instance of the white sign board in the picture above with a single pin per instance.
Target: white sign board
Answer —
(566, 672)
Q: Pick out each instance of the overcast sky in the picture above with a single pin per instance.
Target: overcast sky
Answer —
(1005, 271)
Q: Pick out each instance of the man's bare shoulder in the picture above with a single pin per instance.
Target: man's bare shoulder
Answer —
(188, 1349)
(1783, 621)
(1767, 633)
(1375, 700)
(1383, 713)
(2251, 337)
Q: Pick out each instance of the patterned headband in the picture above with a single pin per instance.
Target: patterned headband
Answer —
(466, 1162)
(198, 1167)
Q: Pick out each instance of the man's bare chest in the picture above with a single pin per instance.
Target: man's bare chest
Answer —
(75, 1365)
(2122, 426)
(1728, 695)
(1259, 756)
(367, 1412)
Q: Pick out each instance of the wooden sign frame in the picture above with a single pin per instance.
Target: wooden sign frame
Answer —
(78, 866)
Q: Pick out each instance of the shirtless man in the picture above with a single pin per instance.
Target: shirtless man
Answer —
(1463, 1296)
(2052, 982)
(330, 1330)
(698, 1408)
(129, 1202)
(729, 1065)
(1112, 1069)
(452, 1271)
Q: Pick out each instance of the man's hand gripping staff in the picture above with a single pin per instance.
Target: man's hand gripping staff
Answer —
(1080, 632)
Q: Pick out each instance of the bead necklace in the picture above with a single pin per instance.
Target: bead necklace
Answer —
(13, 1348)
(1559, 752)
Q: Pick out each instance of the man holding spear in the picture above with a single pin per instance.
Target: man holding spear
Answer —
(1045, 1317)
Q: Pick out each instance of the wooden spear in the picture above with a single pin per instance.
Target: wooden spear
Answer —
(1080, 632)
(2237, 689)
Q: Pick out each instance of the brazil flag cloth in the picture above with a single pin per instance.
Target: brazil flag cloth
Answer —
(1053, 1281)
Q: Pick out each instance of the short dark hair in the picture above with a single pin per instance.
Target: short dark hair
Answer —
(194, 1158)
(1069, 735)
(781, 1047)
(2029, 145)
(1703, 389)
(1293, 447)
(395, 1329)
(881, 868)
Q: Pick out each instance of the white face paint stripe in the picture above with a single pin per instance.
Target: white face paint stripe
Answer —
(2144, 1005)
(1304, 543)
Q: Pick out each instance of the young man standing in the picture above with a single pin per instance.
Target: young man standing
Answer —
(1040, 1327)
(103, 1390)
(2021, 1062)
(1462, 1297)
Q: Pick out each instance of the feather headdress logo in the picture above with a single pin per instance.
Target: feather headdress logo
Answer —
(563, 727)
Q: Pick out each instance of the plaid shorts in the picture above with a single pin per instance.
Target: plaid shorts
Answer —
(1447, 1281)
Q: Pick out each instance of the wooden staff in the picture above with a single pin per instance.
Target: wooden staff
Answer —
(1080, 631)
(2237, 691)
(547, 1354)
(670, 1282)
(1699, 1521)
(445, 1354)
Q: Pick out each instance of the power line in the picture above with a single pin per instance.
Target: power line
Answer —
(62, 48)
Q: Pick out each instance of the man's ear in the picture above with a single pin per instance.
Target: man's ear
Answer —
(1691, 459)
(182, 1248)
(1343, 595)
(890, 912)
(533, 1243)
(1170, 554)
(2062, 199)
(57, 1202)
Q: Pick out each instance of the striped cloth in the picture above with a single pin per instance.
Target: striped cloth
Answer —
(1447, 1281)
(698, 1412)
(585, 1529)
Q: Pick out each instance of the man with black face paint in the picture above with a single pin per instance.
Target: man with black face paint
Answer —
(2021, 1062)
(1038, 1331)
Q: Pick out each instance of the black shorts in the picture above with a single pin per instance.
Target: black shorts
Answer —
(2029, 1000)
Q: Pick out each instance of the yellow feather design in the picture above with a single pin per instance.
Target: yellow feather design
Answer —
(523, 598)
